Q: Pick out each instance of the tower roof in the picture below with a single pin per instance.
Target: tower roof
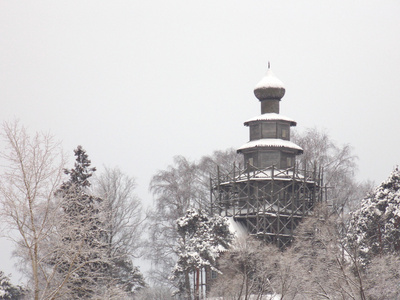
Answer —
(270, 117)
(269, 87)
(270, 144)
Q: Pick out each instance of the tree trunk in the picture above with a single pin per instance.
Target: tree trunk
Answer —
(187, 285)
(196, 297)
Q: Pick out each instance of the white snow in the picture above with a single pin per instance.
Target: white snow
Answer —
(236, 228)
(269, 81)
(254, 297)
(271, 117)
(271, 143)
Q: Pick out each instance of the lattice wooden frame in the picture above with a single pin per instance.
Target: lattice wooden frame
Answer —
(270, 202)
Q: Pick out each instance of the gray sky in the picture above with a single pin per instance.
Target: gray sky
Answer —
(138, 82)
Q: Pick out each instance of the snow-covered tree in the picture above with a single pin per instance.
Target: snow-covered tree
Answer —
(247, 269)
(124, 224)
(8, 291)
(81, 257)
(175, 190)
(202, 240)
(375, 227)
(382, 278)
(316, 267)
(337, 162)
(182, 185)
(154, 293)
(313, 267)
(32, 173)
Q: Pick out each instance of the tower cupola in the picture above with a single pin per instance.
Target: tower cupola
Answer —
(270, 143)
(270, 90)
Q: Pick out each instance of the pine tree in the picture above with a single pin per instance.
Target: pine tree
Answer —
(83, 249)
(126, 276)
(375, 227)
(202, 239)
(8, 291)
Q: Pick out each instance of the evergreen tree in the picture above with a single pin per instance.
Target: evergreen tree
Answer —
(375, 227)
(126, 276)
(83, 248)
(202, 239)
(8, 291)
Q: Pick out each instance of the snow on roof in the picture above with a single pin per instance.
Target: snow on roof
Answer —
(269, 210)
(269, 87)
(271, 143)
(269, 81)
(272, 172)
(270, 117)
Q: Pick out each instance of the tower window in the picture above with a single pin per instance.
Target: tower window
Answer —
(214, 274)
(289, 162)
(250, 161)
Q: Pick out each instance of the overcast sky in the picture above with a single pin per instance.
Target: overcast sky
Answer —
(138, 82)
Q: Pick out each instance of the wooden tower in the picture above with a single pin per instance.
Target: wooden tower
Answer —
(269, 196)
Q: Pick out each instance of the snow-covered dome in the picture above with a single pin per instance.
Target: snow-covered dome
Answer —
(270, 87)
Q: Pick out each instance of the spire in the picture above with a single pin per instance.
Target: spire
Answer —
(269, 91)
(269, 87)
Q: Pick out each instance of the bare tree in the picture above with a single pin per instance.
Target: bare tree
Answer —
(154, 293)
(32, 174)
(224, 160)
(338, 164)
(176, 190)
(247, 270)
(123, 213)
(383, 277)
(317, 266)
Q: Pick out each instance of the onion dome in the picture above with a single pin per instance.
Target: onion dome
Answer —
(270, 87)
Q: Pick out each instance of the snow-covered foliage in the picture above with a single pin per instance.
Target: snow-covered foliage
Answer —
(383, 277)
(337, 163)
(375, 227)
(315, 266)
(124, 275)
(202, 240)
(252, 297)
(154, 293)
(182, 185)
(7, 290)
(82, 256)
(247, 269)
(32, 173)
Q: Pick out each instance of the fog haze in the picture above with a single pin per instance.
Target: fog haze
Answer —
(138, 82)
